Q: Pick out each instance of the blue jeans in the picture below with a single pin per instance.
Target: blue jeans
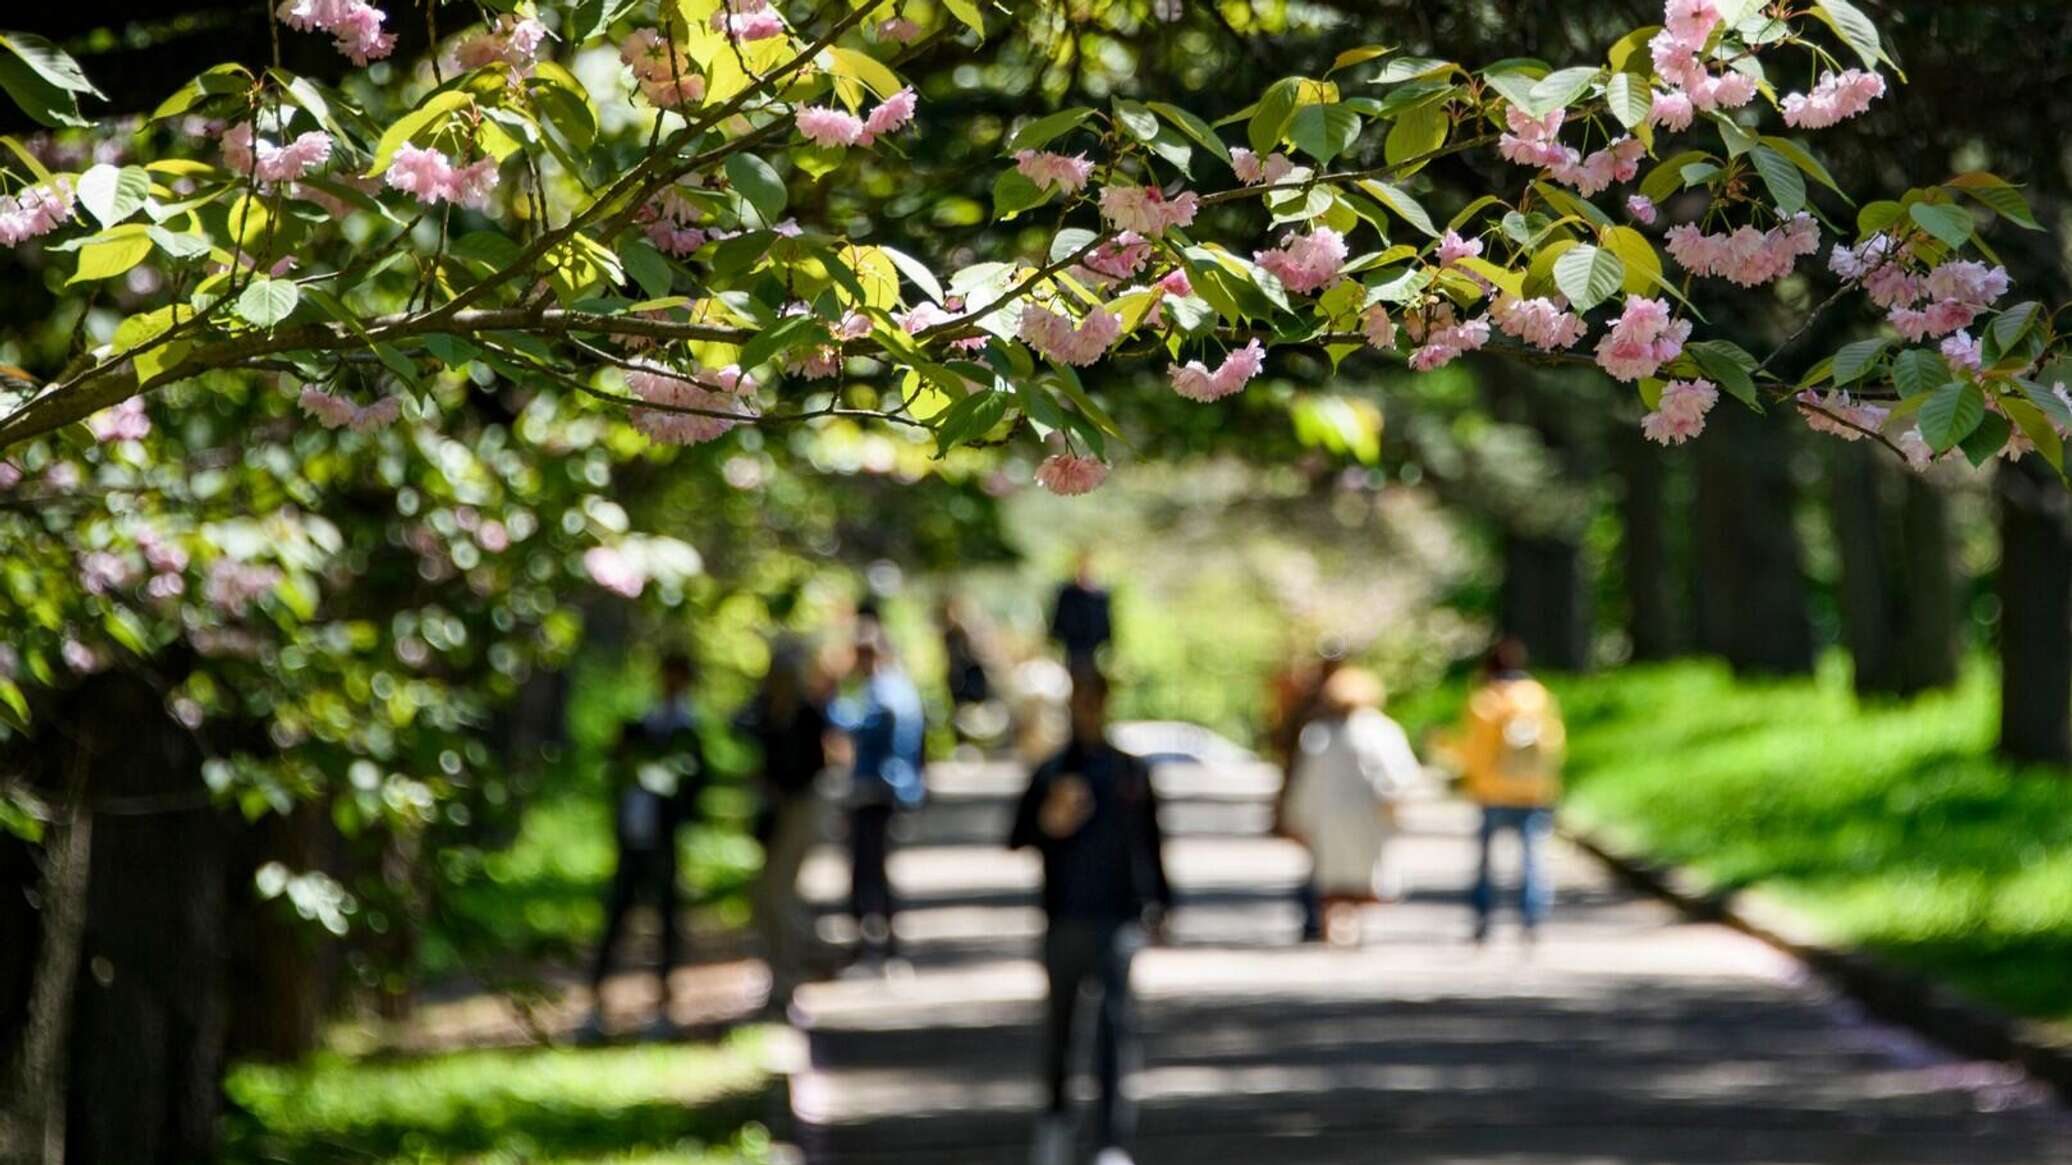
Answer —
(1535, 892)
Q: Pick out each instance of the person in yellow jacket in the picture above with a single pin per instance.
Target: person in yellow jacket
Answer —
(1509, 750)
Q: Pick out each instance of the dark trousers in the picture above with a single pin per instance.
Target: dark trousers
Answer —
(870, 886)
(1076, 952)
(642, 875)
(1535, 892)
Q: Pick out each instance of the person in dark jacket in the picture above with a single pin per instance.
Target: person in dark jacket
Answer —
(660, 772)
(788, 723)
(1091, 812)
(886, 733)
(1080, 620)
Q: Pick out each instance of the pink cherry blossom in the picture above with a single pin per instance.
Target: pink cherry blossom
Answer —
(1837, 414)
(1305, 263)
(101, 572)
(664, 75)
(1837, 98)
(748, 20)
(1642, 208)
(1452, 248)
(1175, 282)
(1642, 340)
(899, 30)
(270, 163)
(433, 178)
(335, 412)
(1967, 282)
(609, 568)
(1054, 171)
(1252, 170)
(829, 127)
(354, 24)
(1069, 476)
(1116, 258)
(1544, 323)
(1379, 329)
(1964, 353)
(890, 115)
(1617, 162)
(1672, 111)
(695, 408)
(34, 211)
(125, 422)
(512, 40)
(1146, 210)
(232, 584)
(1533, 141)
(1747, 257)
(1442, 339)
(1691, 21)
(1056, 337)
(1196, 381)
(1680, 413)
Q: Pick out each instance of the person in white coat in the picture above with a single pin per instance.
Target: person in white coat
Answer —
(1354, 764)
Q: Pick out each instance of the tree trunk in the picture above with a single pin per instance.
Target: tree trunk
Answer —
(1930, 647)
(1645, 560)
(282, 968)
(1751, 584)
(1543, 601)
(2035, 614)
(1872, 614)
(36, 1127)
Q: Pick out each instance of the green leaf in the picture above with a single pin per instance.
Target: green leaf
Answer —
(1324, 131)
(1357, 56)
(1787, 186)
(1918, 370)
(2035, 426)
(779, 338)
(968, 12)
(1666, 178)
(2011, 325)
(969, 419)
(44, 100)
(1989, 438)
(1950, 414)
(215, 82)
(1013, 193)
(112, 252)
(757, 181)
(867, 69)
(1136, 118)
(1197, 130)
(1643, 266)
(1855, 29)
(1629, 98)
(1270, 116)
(1805, 161)
(916, 272)
(436, 108)
(1036, 134)
(1588, 275)
(2046, 399)
(2004, 198)
(1560, 89)
(1852, 361)
(1417, 132)
(1728, 365)
(266, 302)
(1513, 87)
(1951, 224)
(113, 194)
(1406, 207)
(647, 266)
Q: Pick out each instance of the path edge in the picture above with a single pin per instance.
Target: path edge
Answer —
(1915, 1001)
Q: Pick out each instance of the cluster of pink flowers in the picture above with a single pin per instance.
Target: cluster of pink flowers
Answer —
(1838, 414)
(1747, 257)
(35, 211)
(1056, 337)
(667, 222)
(1677, 52)
(1545, 323)
(1957, 292)
(1642, 339)
(125, 422)
(925, 315)
(609, 568)
(1452, 248)
(355, 24)
(834, 127)
(1964, 353)
(1837, 98)
(242, 155)
(661, 70)
(1533, 141)
(1442, 339)
(1252, 170)
(1069, 476)
(1196, 381)
(748, 20)
(1305, 263)
(1680, 414)
(1617, 162)
(433, 178)
(710, 392)
(899, 30)
(232, 584)
(167, 560)
(1045, 169)
(1114, 260)
(1642, 208)
(101, 571)
(513, 40)
(335, 412)
(1146, 210)
(1175, 282)
(1672, 110)
(1379, 329)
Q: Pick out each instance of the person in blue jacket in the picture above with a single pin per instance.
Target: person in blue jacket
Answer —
(883, 720)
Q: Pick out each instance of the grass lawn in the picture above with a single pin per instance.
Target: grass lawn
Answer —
(1891, 826)
(686, 1104)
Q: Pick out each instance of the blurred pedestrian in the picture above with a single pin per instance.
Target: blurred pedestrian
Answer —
(1080, 618)
(1091, 812)
(1510, 747)
(658, 773)
(1296, 699)
(1354, 762)
(973, 710)
(788, 722)
(882, 719)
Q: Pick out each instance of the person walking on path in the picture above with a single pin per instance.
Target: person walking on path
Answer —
(882, 720)
(1296, 697)
(1091, 812)
(659, 774)
(1509, 748)
(1080, 619)
(1354, 762)
(788, 723)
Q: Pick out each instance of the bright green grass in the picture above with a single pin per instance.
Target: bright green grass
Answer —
(1890, 826)
(693, 1104)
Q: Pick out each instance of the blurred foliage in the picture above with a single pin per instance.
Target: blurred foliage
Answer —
(684, 1104)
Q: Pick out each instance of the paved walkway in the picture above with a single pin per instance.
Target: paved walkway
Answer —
(1626, 1036)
